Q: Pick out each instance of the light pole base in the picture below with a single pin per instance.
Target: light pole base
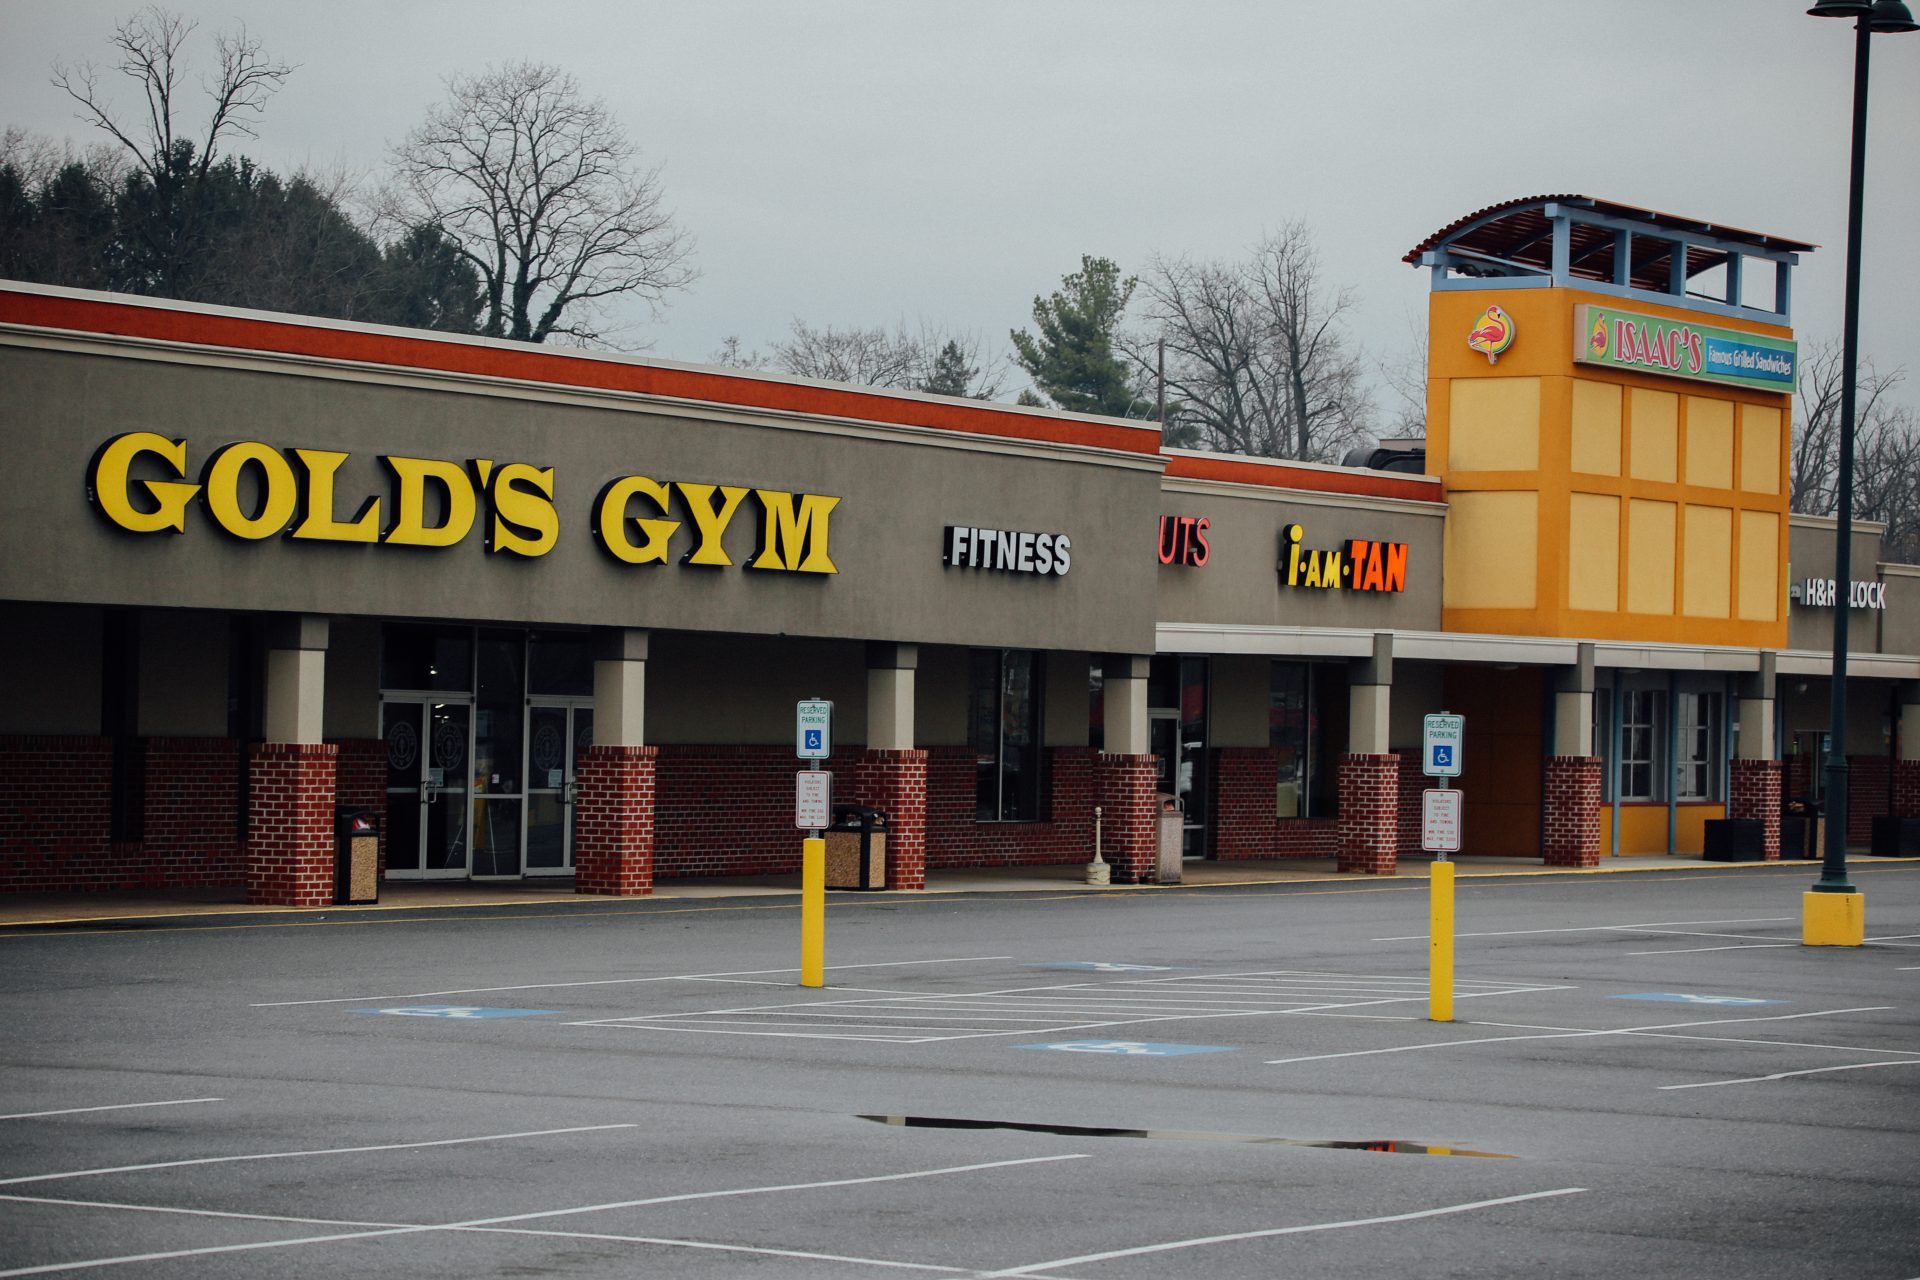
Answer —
(1833, 919)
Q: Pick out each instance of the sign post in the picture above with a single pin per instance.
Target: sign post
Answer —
(1441, 741)
(812, 812)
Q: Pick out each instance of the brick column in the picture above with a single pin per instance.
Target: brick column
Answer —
(1129, 800)
(1754, 792)
(1906, 788)
(1573, 812)
(1869, 782)
(360, 780)
(1245, 825)
(896, 782)
(613, 825)
(290, 824)
(1369, 813)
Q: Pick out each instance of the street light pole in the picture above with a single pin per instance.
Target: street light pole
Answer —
(1869, 18)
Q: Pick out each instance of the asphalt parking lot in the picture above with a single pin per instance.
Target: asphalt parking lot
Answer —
(1646, 1074)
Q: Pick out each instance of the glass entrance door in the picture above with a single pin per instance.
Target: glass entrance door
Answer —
(429, 746)
(557, 732)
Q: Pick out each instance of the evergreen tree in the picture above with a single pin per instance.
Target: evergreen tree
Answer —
(950, 375)
(1073, 359)
(424, 282)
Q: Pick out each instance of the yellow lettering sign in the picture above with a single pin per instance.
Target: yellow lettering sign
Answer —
(412, 476)
(793, 535)
(524, 521)
(278, 491)
(708, 522)
(316, 519)
(611, 521)
(110, 480)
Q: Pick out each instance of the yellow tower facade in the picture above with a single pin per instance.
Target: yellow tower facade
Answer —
(1615, 455)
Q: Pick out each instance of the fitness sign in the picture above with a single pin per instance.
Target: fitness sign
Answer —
(251, 491)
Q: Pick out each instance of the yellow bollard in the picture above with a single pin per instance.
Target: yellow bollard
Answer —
(1440, 944)
(813, 913)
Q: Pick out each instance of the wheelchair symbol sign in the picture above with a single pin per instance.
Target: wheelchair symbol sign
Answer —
(813, 739)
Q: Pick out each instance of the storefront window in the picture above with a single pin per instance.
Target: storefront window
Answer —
(1641, 729)
(560, 663)
(1698, 775)
(1305, 716)
(1003, 718)
(426, 657)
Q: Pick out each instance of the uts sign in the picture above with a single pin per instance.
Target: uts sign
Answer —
(253, 491)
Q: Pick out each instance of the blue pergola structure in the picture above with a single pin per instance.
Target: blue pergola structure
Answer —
(1570, 241)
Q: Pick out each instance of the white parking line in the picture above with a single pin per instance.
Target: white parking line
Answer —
(1056, 1007)
(1768, 1044)
(716, 1246)
(65, 1202)
(1782, 1075)
(612, 982)
(1571, 1034)
(1281, 1231)
(117, 1106)
(1738, 946)
(290, 1155)
(1590, 928)
(419, 1229)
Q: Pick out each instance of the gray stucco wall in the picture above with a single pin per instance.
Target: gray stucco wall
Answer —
(1810, 554)
(897, 493)
(1241, 582)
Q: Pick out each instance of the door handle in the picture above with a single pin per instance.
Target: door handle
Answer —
(568, 791)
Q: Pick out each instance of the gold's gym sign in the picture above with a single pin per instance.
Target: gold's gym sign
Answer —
(253, 491)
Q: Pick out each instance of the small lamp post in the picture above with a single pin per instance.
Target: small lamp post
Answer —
(1870, 17)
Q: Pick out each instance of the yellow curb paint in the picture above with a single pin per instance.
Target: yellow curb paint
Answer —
(1440, 944)
(1833, 919)
(813, 913)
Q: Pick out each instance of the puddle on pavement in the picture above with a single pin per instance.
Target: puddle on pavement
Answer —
(1393, 1146)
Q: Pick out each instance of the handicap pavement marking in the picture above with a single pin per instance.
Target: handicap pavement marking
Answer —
(1129, 1048)
(1103, 966)
(455, 1011)
(1683, 997)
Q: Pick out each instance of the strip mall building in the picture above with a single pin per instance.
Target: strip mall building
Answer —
(549, 612)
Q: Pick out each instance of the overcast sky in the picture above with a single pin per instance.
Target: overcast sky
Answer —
(859, 163)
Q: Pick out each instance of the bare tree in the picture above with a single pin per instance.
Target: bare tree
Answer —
(1257, 354)
(873, 357)
(1886, 449)
(1406, 377)
(931, 360)
(732, 354)
(173, 158)
(538, 186)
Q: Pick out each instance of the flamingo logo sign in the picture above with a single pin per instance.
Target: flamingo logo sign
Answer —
(1491, 334)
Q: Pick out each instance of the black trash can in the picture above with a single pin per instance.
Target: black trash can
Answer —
(1735, 840)
(1800, 830)
(356, 855)
(1895, 837)
(857, 848)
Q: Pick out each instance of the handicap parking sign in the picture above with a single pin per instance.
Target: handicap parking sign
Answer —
(1442, 756)
(813, 739)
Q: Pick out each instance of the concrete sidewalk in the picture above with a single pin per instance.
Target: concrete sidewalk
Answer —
(28, 909)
